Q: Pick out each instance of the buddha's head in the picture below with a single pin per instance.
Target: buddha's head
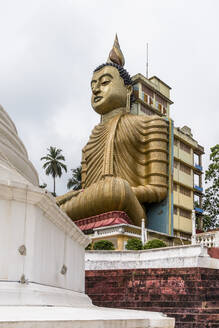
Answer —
(111, 84)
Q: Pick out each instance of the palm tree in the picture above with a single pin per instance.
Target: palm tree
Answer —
(75, 181)
(53, 164)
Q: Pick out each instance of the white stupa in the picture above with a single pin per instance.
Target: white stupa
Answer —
(14, 162)
(42, 254)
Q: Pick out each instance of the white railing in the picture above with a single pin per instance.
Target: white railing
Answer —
(208, 239)
(118, 229)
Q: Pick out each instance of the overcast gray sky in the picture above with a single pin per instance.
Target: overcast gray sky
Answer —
(50, 48)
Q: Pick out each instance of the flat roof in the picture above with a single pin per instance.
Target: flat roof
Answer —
(155, 77)
(139, 77)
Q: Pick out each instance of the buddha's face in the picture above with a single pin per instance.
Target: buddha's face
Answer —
(108, 90)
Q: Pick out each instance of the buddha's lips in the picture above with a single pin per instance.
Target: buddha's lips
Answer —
(98, 98)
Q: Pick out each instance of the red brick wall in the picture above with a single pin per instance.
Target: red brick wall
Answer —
(214, 252)
(191, 295)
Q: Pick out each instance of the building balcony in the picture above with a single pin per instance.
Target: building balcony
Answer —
(198, 167)
(208, 239)
(199, 210)
(200, 189)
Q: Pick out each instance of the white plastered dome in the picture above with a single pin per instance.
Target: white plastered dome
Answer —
(14, 162)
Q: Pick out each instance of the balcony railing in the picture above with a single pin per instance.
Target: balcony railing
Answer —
(199, 167)
(199, 210)
(208, 239)
(126, 229)
(200, 189)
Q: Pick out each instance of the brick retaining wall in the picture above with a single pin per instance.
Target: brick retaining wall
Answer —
(191, 295)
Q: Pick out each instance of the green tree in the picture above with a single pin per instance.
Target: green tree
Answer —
(133, 244)
(104, 245)
(211, 196)
(154, 243)
(53, 165)
(75, 181)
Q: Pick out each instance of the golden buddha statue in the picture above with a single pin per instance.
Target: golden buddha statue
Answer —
(124, 163)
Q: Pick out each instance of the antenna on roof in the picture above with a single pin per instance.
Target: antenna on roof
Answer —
(147, 63)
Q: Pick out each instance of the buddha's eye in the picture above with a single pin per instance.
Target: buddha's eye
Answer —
(105, 82)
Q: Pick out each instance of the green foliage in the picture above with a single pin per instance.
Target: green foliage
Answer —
(154, 243)
(53, 165)
(211, 196)
(75, 181)
(104, 245)
(134, 244)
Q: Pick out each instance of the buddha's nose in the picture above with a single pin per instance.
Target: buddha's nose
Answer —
(96, 89)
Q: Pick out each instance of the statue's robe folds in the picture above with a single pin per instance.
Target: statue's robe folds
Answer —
(124, 164)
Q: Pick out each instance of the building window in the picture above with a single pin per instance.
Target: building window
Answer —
(136, 91)
(185, 147)
(184, 168)
(145, 98)
(185, 191)
(175, 187)
(197, 180)
(175, 210)
(185, 213)
(197, 159)
(147, 91)
(146, 110)
(175, 164)
(197, 201)
(161, 101)
(175, 142)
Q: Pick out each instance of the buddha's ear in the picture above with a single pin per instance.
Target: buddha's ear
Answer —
(128, 98)
(129, 89)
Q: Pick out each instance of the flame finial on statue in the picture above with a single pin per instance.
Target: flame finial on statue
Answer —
(116, 55)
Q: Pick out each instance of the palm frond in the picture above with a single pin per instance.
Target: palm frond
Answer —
(75, 181)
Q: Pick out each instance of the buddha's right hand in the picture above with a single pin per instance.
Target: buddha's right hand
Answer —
(68, 196)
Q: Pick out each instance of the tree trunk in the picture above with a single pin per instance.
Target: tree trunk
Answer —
(54, 186)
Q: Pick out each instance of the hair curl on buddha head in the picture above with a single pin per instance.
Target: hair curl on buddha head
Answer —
(124, 75)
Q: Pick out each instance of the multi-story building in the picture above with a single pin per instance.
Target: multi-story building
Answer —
(153, 97)
(187, 181)
(172, 219)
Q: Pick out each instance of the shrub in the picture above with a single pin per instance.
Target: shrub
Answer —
(104, 245)
(154, 243)
(134, 244)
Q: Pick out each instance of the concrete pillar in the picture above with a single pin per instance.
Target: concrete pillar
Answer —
(143, 231)
(193, 228)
